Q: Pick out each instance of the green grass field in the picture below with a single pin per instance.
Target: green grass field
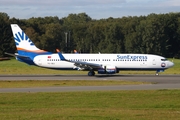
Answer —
(15, 67)
(59, 83)
(92, 105)
(97, 105)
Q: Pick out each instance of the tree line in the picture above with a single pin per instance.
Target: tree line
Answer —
(152, 34)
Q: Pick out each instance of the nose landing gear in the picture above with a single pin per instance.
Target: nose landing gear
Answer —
(157, 72)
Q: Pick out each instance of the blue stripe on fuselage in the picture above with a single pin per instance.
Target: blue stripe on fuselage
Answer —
(28, 61)
(30, 56)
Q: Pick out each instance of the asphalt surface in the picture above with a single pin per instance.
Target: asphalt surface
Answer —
(161, 82)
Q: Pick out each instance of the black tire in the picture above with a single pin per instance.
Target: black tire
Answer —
(89, 73)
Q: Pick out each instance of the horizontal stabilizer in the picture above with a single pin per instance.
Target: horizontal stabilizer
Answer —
(16, 55)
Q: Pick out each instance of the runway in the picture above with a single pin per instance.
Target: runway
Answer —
(160, 82)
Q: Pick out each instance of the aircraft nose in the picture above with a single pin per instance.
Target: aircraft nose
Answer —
(171, 64)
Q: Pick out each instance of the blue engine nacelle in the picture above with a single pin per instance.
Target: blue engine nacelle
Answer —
(107, 70)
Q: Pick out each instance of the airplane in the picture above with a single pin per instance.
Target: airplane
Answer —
(101, 63)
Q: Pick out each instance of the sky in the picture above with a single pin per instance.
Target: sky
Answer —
(96, 9)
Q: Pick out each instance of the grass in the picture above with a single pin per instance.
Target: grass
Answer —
(56, 83)
(91, 105)
(15, 67)
(97, 105)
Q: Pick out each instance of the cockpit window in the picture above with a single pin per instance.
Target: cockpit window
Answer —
(164, 59)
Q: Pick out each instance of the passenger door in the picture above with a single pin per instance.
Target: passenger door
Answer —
(154, 61)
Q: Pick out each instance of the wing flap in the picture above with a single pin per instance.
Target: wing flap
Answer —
(86, 64)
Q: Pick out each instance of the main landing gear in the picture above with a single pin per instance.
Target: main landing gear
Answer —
(91, 73)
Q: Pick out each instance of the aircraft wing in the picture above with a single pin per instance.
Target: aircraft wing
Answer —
(80, 63)
(86, 64)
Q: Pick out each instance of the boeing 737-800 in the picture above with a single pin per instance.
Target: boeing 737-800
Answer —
(102, 63)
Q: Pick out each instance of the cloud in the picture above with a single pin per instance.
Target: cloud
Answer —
(175, 3)
(60, 2)
(96, 9)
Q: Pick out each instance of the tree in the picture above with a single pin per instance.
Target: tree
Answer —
(52, 39)
(5, 35)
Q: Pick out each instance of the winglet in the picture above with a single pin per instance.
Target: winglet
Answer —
(60, 55)
(75, 51)
(57, 50)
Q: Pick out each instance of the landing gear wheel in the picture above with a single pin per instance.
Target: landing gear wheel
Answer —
(157, 74)
(91, 73)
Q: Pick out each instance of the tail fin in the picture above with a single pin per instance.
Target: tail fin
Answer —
(22, 41)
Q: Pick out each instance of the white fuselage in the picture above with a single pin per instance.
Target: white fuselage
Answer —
(120, 61)
(102, 63)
